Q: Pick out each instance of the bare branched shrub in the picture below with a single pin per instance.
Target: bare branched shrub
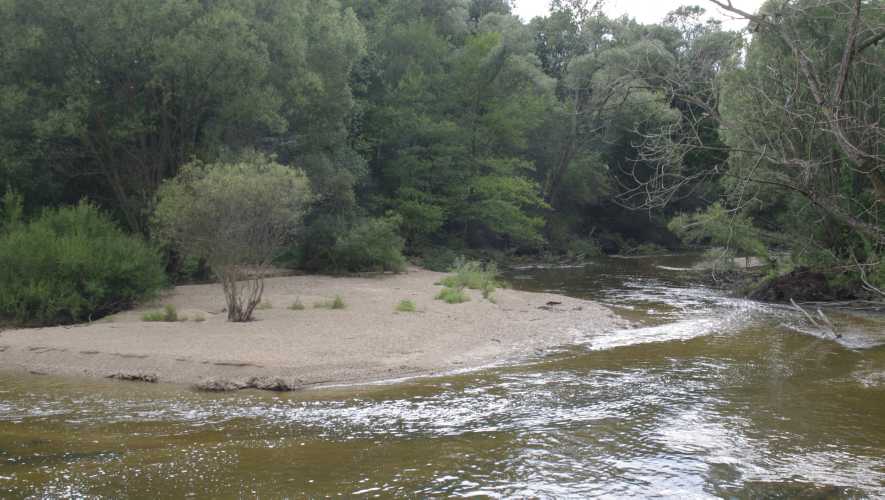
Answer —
(800, 111)
(235, 215)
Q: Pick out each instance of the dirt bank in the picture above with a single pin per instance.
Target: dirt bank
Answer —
(286, 349)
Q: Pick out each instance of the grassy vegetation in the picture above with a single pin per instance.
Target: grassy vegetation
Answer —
(168, 314)
(199, 318)
(297, 305)
(264, 305)
(453, 295)
(406, 306)
(71, 264)
(336, 303)
(473, 275)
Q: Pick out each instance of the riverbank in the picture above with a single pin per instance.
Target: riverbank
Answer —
(284, 349)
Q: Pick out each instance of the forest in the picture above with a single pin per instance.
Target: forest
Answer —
(146, 142)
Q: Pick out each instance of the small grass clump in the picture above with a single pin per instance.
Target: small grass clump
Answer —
(336, 303)
(406, 306)
(199, 318)
(168, 314)
(264, 305)
(453, 295)
(488, 293)
(297, 305)
(152, 316)
(475, 276)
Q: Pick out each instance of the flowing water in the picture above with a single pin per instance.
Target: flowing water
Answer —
(706, 396)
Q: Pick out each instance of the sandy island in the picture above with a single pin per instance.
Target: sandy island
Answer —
(286, 349)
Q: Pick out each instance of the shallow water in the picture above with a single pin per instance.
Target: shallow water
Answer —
(706, 396)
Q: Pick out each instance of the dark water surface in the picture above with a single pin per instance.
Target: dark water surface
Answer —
(706, 397)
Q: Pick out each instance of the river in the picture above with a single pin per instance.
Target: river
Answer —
(704, 396)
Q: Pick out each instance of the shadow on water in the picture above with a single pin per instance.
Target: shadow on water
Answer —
(707, 396)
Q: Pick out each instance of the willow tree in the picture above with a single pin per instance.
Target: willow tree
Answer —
(236, 216)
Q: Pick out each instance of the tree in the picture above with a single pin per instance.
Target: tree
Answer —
(110, 97)
(802, 115)
(237, 216)
(448, 118)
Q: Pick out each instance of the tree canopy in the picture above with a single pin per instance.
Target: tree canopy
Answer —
(453, 123)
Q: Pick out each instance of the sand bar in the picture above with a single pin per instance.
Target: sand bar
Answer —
(284, 349)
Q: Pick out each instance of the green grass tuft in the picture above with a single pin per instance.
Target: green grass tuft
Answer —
(475, 276)
(406, 306)
(453, 295)
(264, 305)
(168, 314)
(152, 316)
(296, 306)
(336, 303)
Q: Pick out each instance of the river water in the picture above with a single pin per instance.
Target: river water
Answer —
(706, 396)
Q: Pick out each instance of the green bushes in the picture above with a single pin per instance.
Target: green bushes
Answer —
(582, 249)
(453, 295)
(235, 216)
(336, 303)
(73, 264)
(347, 245)
(370, 245)
(440, 259)
(469, 274)
(169, 314)
(406, 306)
(473, 275)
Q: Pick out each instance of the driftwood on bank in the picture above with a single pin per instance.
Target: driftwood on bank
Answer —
(823, 322)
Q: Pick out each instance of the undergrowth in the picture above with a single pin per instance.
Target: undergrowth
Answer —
(475, 276)
(453, 295)
(168, 314)
(406, 306)
(336, 303)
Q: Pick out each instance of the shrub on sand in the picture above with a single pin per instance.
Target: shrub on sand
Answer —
(168, 314)
(336, 303)
(453, 295)
(235, 216)
(406, 306)
(475, 276)
(72, 264)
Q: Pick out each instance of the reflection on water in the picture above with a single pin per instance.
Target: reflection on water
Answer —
(707, 397)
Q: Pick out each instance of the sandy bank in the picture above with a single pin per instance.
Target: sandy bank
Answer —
(367, 341)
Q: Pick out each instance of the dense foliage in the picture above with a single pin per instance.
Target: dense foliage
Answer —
(237, 216)
(72, 264)
(802, 121)
(434, 127)
(371, 245)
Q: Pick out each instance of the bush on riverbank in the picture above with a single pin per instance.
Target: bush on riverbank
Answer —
(406, 306)
(73, 264)
(475, 276)
(235, 216)
(453, 295)
(370, 245)
(168, 315)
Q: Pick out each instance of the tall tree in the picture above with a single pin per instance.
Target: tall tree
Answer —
(125, 91)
